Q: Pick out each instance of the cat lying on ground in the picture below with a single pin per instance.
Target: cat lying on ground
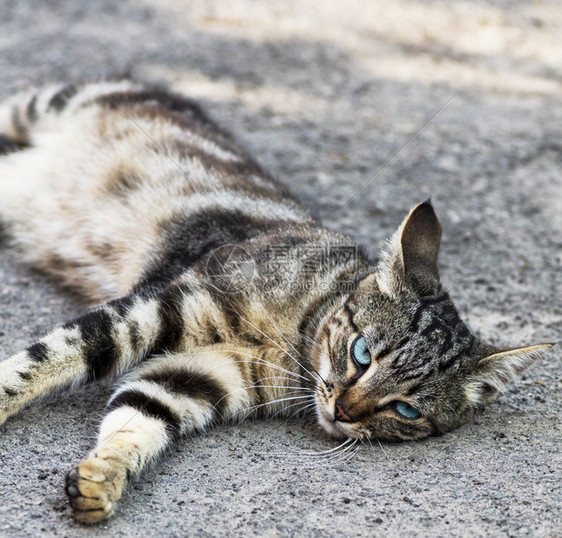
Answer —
(220, 297)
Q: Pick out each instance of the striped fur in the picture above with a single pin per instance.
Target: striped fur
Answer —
(219, 296)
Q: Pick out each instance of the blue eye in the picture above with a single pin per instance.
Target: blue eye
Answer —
(359, 352)
(406, 411)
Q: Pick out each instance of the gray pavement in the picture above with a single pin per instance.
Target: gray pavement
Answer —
(324, 94)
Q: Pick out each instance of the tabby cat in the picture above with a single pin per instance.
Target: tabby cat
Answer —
(220, 297)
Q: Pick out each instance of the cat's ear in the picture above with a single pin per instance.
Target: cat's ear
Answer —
(412, 252)
(495, 372)
(420, 238)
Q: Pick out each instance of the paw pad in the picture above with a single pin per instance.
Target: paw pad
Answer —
(91, 495)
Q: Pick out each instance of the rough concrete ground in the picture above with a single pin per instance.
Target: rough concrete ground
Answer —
(325, 94)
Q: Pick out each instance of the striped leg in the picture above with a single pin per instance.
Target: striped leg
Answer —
(167, 398)
(107, 341)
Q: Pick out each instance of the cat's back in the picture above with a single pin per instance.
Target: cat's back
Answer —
(103, 179)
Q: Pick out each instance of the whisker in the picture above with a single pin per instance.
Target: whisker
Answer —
(334, 459)
(351, 450)
(350, 456)
(323, 452)
(311, 340)
(277, 345)
(282, 335)
(258, 383)
(263, 361)
(272, 402)
(283, 409)
(290, 343)
(302, 409)
(383, 450)
(368, 439)
(296, 452)
(288, 388)
(281, 385)
(435, 425)
(279, 400)
(281, 348)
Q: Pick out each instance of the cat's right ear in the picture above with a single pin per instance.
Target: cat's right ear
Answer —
(493, 374)
(411, 256)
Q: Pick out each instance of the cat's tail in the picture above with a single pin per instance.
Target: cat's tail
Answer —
(24, 113)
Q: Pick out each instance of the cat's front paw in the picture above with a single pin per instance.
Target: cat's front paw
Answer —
(93, 489)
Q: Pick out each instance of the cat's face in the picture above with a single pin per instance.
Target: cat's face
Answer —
(396, 360)
(394, 367)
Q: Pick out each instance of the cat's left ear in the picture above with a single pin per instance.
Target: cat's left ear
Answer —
(411, 254)
(495, 372)
(420, 238)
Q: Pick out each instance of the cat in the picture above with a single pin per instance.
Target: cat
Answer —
(219, 296)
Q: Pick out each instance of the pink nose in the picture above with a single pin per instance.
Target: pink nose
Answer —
(340, 413)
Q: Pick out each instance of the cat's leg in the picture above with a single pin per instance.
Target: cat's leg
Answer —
(111, 340)
(105, 342)
(168, 397)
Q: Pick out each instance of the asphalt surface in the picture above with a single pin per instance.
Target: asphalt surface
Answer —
(460, 101)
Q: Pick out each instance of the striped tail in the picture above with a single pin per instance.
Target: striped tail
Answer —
(22, 113)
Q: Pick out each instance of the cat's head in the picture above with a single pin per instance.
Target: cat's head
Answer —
(396, 360)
